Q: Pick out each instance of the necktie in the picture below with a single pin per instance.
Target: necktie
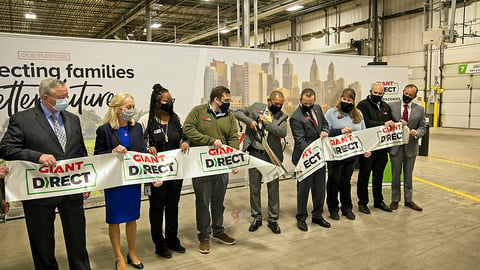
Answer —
(405, 113)
(313, 118)
(62, 137)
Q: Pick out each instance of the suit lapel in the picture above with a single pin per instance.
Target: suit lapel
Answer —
(115, 134)
(41, 119)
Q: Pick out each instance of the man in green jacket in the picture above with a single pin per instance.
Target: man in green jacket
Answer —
(214, 125)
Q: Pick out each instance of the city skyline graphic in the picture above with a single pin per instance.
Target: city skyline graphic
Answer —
(252, 82)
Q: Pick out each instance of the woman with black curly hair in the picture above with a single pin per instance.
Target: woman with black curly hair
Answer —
(163, 132)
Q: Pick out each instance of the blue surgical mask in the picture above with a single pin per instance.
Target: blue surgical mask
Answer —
(60, 104)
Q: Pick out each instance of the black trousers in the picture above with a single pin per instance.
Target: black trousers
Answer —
(376, 165)
(40, 217)
(339, 175)
(165, 198)
(314, 183)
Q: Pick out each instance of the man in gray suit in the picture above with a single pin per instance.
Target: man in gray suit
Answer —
(308, 124)
(45, 134)
(270, 121)
(412, 115)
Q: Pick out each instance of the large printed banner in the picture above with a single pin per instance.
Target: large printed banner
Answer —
(348, 145)
(28, 180)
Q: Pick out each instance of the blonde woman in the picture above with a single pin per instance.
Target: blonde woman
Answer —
(118, 134)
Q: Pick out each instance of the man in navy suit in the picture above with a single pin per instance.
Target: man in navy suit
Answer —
(32, 136)
(308, 124)
(412, 115)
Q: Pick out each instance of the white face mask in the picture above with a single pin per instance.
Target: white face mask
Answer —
(61, 104)
(127, 115)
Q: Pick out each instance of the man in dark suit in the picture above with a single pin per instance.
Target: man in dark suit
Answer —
(270, 120)
(32, 136)
(308, 124)
(376, 112)
(412, 115)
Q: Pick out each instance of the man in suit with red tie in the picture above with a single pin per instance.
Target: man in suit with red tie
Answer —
(412, 115)
(45, 134)
(308, 124)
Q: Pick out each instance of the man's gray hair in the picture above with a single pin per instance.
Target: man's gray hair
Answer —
(47, 85)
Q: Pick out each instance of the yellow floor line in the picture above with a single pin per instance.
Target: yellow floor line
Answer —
(448, 189)
(454, 162)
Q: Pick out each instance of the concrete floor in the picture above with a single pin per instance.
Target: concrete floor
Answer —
(446, 235)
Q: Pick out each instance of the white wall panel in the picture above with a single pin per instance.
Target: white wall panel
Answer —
(463, 54)
(459, 82)
(450, 70)
(403, 34)
(313, 22)
(455, 121)
(353, 12)
(450, 96)
(395, 6)
(407, 59)
(456, 109)
(475, 109)
(475, 122)
(476, 95)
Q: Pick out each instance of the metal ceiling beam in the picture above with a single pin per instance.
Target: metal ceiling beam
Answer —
(131, 15)
(276, 11)
(268, 11)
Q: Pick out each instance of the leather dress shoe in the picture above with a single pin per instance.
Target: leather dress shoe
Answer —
(302, 225)
(163, 251)
(137, 266)
(382, 206)
(414, 206)
(255, 224)
(274, 227)
(321, 221)
(334, 215)
(364, 209)
(349, 214)
(394, 205)
(177, 247)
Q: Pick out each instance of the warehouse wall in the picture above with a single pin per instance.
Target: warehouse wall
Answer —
(401, 44)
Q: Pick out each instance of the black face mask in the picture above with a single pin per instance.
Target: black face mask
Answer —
(307, 108)
(346, 107)
(406, 99)
(274, 109)
(168, 107)
(375, 98)
(224, 107)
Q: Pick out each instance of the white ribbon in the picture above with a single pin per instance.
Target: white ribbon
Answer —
(28, 180)
(348, 145)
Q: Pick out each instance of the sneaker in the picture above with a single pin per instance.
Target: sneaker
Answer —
(225, 239)
(204, 247)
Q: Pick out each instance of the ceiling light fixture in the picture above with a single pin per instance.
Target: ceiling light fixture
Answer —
(155, 25)
(294, 8)
(30, 15)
